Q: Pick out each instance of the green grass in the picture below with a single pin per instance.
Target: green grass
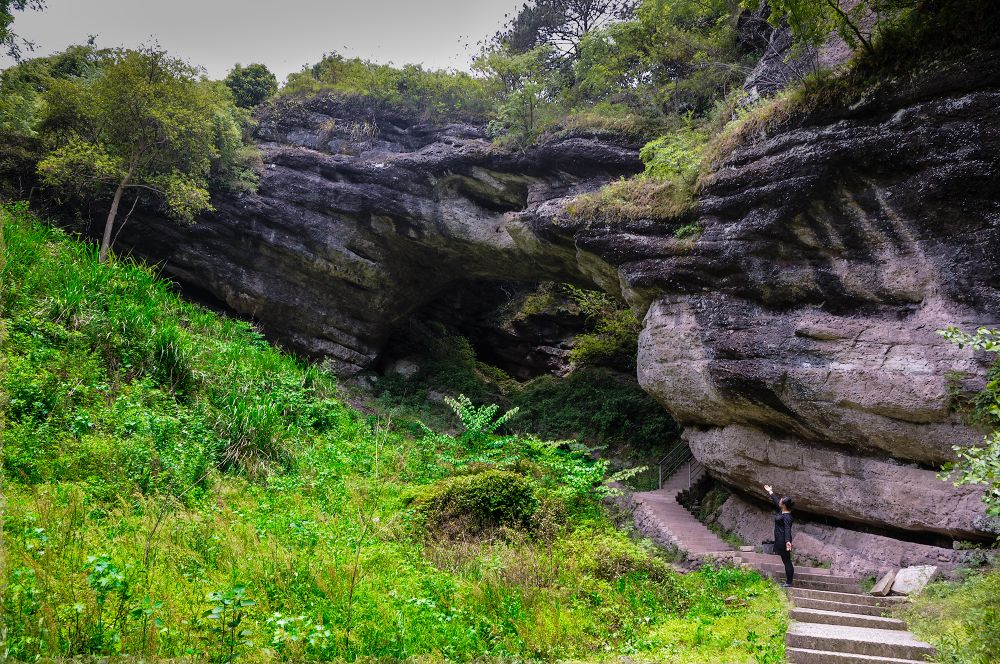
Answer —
(960, 619)
(177, 487)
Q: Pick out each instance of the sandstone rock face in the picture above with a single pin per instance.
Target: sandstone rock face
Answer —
(850, 552)
(349, 233)
(795, 339)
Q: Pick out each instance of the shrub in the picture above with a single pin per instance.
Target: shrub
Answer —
(476, 503)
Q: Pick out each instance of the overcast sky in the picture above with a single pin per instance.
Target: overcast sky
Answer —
(283, 34)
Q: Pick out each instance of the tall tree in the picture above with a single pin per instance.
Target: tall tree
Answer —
(8, 39)
(561, 24)
(149, 123)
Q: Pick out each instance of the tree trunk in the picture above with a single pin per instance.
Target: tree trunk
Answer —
(110, 223)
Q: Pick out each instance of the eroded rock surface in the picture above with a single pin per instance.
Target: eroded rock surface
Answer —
(796, 338)
(365, 215)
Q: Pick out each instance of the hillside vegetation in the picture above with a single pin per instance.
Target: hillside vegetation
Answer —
(176, 486)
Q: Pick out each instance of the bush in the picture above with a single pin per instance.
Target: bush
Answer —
(477, 503)
(434, 94)
(251, 85)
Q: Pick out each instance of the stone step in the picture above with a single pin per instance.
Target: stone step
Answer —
(841, 618)
(812, 576)
(810, 584)
(813, 573)
(857, 640)
(805, 656)
(841, 607)
(849, 598)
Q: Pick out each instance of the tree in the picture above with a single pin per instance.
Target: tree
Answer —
(520, 91)
(981, 464)
(8, 39)
(561, 24)
(251, 85)
(856, 21)
(147, 122)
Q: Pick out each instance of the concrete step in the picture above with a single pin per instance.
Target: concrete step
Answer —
(841, 607)
(820, 574)
(842, 618)
(849, 598)
(805, 656)
(811, 576)
(809, 584)
(857, 640)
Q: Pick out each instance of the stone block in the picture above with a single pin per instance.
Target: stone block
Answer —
(913, 579)
(883, 586)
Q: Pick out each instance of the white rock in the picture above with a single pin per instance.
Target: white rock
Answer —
(912, 580)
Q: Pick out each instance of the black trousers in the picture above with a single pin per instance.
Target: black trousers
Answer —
(786, 558)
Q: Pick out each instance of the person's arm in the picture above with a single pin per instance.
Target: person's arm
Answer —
(774, 498)
(787, 521)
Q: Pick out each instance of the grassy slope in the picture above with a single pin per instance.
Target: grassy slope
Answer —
(961, 619)
(175, 485)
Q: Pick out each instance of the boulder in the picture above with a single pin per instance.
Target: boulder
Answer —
(912, 580)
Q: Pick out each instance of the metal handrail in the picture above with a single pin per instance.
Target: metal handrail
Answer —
(673, 460)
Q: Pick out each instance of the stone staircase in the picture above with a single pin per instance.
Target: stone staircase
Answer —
(675, 525)
(833, 621)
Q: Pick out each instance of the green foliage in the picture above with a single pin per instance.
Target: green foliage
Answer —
(675, 156)
(692, 230)
(905, 45)
(595, 405)
(436, 94)
(521, 83)
(960, 619)
(857, 23)
(615, 338)
(123, 538)
(664, 190)
(981, 464)
(106, 365)
(478, 502)
(133, 123)
(560, 24)
(479, 422)
(225, 615)
(251, 85)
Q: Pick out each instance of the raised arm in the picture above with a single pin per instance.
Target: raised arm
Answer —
(774, 498)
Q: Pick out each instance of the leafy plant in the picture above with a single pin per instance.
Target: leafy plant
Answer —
(479, 422)
(980, 465)
(225, 617)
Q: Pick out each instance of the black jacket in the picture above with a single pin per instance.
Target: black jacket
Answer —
(782, 525)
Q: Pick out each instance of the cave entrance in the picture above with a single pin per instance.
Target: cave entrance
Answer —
(563, 356)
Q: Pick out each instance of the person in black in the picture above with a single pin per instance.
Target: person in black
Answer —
(783, 533)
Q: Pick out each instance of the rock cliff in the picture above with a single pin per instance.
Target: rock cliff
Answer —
(795, 339)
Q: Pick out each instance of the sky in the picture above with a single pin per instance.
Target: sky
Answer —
(282, 34)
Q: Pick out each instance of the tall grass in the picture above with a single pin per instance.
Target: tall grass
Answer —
(178, 488)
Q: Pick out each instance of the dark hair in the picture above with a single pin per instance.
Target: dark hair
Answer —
(787, 502)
